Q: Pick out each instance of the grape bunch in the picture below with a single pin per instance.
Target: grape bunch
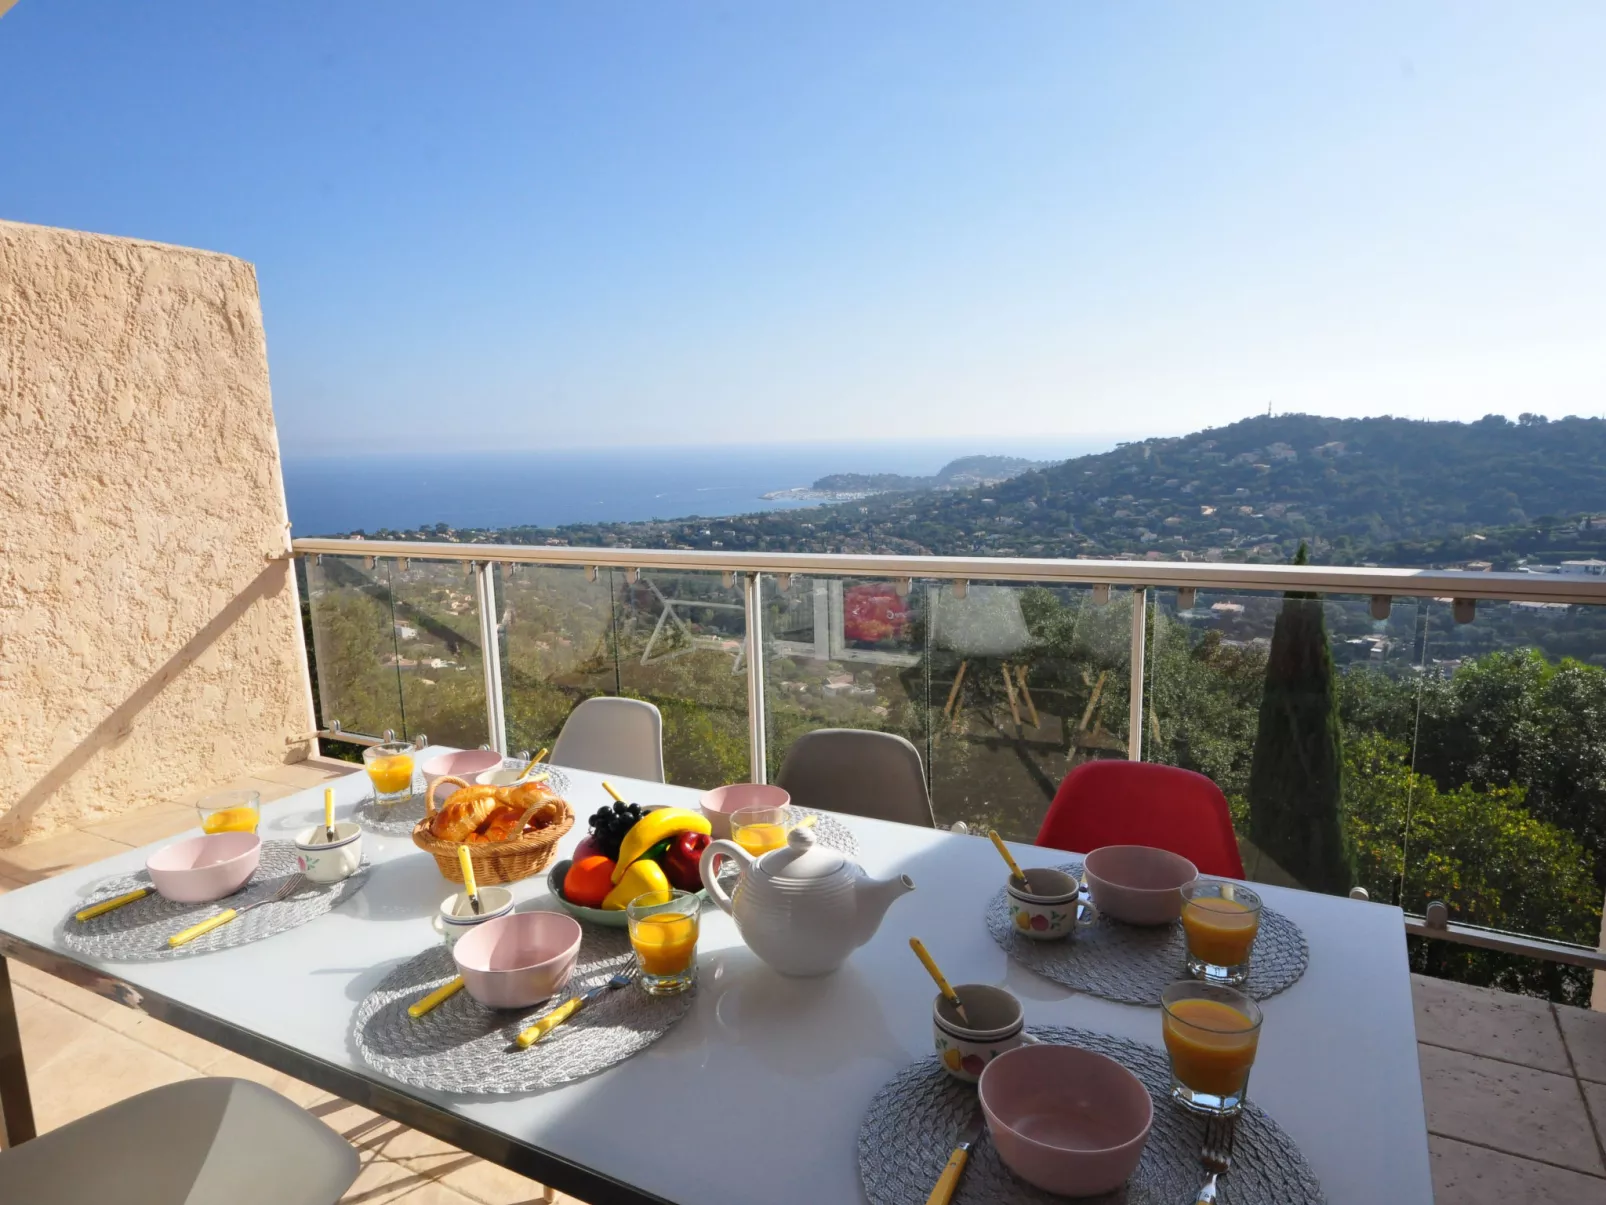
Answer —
(609, 826)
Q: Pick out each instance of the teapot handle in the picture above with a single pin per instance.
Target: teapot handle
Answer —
(705, 868)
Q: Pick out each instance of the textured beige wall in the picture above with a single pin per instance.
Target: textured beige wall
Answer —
(149, 646)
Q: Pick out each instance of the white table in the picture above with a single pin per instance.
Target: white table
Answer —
(767, 1076)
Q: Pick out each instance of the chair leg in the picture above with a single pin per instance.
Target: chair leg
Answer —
(1014, 704)
(548, 1194)
(956, 701)
(953, 693)
(1031, 707)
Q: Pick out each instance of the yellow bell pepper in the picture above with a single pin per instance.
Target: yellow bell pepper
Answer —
(639, 878)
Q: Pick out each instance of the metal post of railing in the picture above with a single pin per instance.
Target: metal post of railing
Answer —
(1134, 715)
(491, 654)
(753, 600)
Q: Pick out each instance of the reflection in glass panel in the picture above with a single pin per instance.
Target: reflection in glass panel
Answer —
(680, 644)
(842, 654)
(1025, 683)
(557, 648)
(1507, 789)
(353, 644)
(438, 652)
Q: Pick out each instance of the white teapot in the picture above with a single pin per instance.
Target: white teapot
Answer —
(801, 908)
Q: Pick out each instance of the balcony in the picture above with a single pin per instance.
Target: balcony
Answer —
(151, 651)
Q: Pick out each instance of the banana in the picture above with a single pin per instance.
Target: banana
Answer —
(653, 828)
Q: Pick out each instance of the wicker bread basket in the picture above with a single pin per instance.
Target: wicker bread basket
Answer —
(499, 862)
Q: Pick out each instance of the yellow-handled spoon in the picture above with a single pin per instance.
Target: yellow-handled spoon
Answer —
(329, 815)
(105, 906)
(1003, 851)
(930, 963)
(444, 992)
(529, 769)
(465, 863)
(608, 787)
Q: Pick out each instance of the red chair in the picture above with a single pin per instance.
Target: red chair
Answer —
(1141, 803)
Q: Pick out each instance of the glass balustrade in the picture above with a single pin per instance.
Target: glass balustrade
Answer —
(439, 652)
(556, 628)
(354, 644)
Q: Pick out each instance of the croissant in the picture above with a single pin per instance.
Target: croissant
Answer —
(464, 812)
(484, 814)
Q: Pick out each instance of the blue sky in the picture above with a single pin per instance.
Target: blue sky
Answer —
(575, 223)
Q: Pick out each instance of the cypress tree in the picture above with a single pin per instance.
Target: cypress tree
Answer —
(1296, 778)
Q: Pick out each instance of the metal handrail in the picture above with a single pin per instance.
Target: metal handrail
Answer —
(1142, 577)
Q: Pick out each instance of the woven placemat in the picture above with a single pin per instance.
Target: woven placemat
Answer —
(398, 819)
(1133, 964)
(913, 1124)
(830, 832)
(462, 1046)
(140, 930)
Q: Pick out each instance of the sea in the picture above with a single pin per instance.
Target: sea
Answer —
(335, 495)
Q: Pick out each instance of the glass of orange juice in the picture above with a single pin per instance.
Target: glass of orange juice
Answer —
(663, 932)
(1211, 1033)
(390, 769)
(761, 829)
(230, 812)
(1220, 920)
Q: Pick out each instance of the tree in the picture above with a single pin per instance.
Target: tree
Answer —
(1296, 777)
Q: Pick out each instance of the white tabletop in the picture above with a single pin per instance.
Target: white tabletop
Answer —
(770, 1076)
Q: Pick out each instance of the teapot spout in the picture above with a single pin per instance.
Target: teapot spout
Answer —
(875, 896)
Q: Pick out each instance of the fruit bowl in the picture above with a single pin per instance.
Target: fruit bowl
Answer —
(613, 918)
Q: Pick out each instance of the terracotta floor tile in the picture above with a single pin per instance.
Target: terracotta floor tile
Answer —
(51, 987)
(145, 825)
(1474, 1175)
(97, 1071)
(37, 860)
(1497, 1025)
(299, 775)
(1585, 1032)
(1518, 1110)
(492, 1185)
(381, 1182)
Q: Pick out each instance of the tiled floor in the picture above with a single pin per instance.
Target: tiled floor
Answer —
(1515, 1088)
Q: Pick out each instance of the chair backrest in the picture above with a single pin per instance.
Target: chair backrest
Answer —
(613, 736)
(1141, 803)
(874, 774)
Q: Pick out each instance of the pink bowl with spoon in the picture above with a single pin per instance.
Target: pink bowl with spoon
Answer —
(1068, 1120)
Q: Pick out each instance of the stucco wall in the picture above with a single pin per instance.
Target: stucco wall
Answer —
(149, 645)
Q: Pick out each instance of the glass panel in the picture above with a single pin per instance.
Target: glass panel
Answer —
(557, 648)
(1287, 760)
(1507, 802)
(679, 639)
(1026, 682)
(353, 644)
(438, 657)
(843, 654)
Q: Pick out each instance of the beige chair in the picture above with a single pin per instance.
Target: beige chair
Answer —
(874, 774)
(613, 736)
(196, 1142)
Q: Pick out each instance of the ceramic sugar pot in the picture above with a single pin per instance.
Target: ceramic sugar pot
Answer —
(801, 908)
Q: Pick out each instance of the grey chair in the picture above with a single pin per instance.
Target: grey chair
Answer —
(874, 774)
(613, 736)
(196, 1142)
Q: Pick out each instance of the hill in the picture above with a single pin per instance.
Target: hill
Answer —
(963, 473)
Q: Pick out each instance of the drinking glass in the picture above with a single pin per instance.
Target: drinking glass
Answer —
(663, 932)
(1211, 1033)
(390, 768)
(761, 829)
(230, 812)
(1220, 920)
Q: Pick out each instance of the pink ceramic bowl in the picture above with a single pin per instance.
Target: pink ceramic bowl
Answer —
(1068, 1120)
(207, 868)
(466, 764)
(518, 960)
(719, 803)
(1138, 884)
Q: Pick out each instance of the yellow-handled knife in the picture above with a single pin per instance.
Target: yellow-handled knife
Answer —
(568, 1008)
(105, 906)
(949, 1180)
(290, 886)
(443, 993)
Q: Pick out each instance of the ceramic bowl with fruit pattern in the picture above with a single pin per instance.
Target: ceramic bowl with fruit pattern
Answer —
(1049, 905)
(996, 1024)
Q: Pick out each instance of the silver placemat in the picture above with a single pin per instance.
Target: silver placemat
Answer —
(462, 1046)
(140, 930)
(1133, 964)
(913, 1124)
(830, 832)
(399, 819)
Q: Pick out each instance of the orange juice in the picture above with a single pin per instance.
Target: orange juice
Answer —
(392, 775)
(1220, 931)
(1212, 1045)
(665, 943)
(230, 820)
(760, 838)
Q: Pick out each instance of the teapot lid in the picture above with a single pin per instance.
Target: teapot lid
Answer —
(801, 858)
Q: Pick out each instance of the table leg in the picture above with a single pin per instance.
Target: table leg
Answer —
(16, 1104)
